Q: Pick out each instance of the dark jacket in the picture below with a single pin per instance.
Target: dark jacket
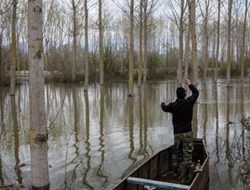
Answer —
(182, 111)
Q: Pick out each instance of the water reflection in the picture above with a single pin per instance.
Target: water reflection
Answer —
(1, 171)
(228, 127)
(16, 139)
(1, 134)
(216, 124)
(88, 145)
(101, 170)
(98, 137)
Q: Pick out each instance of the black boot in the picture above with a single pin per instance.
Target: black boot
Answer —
(190, 174)
(176, 172)
(184, 174)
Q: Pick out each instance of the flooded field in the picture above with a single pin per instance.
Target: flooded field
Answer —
(97, 137)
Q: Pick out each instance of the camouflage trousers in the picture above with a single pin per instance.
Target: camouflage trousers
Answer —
(183, 149)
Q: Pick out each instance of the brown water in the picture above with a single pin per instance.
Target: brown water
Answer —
(97, 137)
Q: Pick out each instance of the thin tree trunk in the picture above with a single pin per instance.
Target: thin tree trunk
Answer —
(86, 49)
(229, 42)
(101, 54)
(217, 43)
(1, 41)
(187, 53)
(140, 44)
(243, 48)
(206, 40)
(131, 50)
(38, 126)
(13, 50)
(180, 57)
(194, 42)
(145, 41)
(74, 42)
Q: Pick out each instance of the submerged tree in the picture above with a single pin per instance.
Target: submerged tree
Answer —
(38, 128)
(13, 49)
(131, 50)
(101, 52)
(192, 19)
(86, 48)
(229, 41)
(217, 41)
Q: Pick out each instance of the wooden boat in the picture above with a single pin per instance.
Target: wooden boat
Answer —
(154, 172)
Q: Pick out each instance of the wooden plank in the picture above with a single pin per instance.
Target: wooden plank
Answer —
(158, 184)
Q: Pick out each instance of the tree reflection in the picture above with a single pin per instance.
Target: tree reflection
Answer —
(217, 124)
(228, 150)
(16, 139)
(100, 170)
(145, 121)
(1, 126)
(243, 146)
(87, 154)
(131, 129)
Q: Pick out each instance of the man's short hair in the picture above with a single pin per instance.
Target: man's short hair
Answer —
(180, 92)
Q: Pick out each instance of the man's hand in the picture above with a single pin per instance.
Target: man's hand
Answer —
(187, 82)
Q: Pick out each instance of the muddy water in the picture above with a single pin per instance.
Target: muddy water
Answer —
(97, 137)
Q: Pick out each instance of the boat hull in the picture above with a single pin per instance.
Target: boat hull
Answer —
(152, 172)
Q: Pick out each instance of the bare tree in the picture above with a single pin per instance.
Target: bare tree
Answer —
(229, 41)
(101, 52)
(38, 128)
(217, 41)
(131, 50)
(243, 48)
(205, 16)
(13, 49)
(140, 43)
(192, 5)
(75, 6)
(187, 52)
(179, 20)
(148, 8)
(86, 47)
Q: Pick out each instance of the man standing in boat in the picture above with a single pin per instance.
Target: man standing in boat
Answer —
(182, 112)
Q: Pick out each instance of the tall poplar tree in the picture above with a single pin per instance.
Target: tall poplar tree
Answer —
(243, 48)
(229, 41)
(38, 127)
(13, 49)
(86, 48)
(101, 54)
(131, 50)
(217, 42)
(192, 4)
(140, 44)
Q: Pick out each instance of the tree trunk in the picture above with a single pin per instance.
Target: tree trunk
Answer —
(206, 39)
(243, 48)
(131, 50)
(229, 41)
(74, 42)
(13, 50)
(187, 53)
(101, 54)
(145, 41)
(217, 43)
(140, 44)
(86, 49)
(194, 42)
(1, 69)
(38, 128)
(180, 57)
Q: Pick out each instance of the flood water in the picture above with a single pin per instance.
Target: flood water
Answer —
(97, 137)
